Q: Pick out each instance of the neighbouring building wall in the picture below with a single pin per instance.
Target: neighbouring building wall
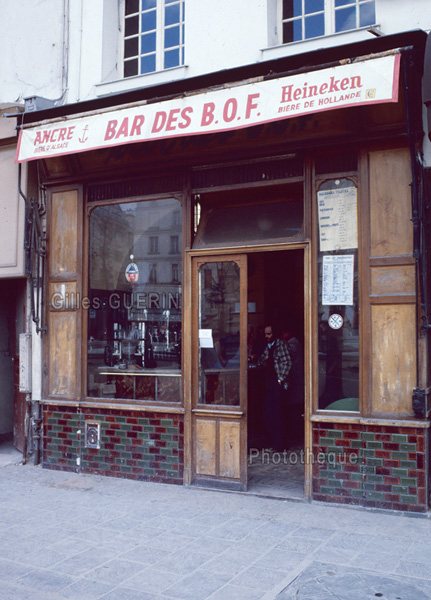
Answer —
(31, 46)
(12, 208)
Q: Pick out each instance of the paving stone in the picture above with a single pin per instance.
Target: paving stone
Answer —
(321, 582)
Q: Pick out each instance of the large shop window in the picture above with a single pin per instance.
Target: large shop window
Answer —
(153, 36)
(134, 318)
(306, 19)
(338, 311)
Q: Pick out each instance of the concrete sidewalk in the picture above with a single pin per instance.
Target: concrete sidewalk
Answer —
(65, 535)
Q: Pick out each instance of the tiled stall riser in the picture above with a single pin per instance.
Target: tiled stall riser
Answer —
(370, 465)
(137, 445)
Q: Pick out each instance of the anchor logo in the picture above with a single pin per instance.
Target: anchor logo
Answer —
(84, 137)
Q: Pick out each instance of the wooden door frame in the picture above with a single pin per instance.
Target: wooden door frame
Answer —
(308, 345)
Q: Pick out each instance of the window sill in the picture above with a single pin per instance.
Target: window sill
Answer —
(317, 43)
(140, 81)
(112, 403)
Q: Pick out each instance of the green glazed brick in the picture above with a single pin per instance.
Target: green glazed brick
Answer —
(57, 428)
(126, 469)
(375, 445)
(172, 430)
(400, 472)
(375, 478)
(326, 490)
(374, 462)
(148, 428)
(333, 433)
(408, 464)
(374, 495)
(56, 454)
(148, 471)
(398, 437)
(408, 499)
(408, 447)
(400, 489)
(166, 422)
(120, 419)
(357, 493)
(356, 444)
(369, 486)
(400, 455)
(57, 415)
(367, 436)
(172, 474)
(356, 476)
(125, 427)
(410, 481)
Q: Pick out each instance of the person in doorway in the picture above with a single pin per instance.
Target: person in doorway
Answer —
(295, 394)
(276, 362)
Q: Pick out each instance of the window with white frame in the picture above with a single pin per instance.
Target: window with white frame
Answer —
(306, 19)
(153, 35)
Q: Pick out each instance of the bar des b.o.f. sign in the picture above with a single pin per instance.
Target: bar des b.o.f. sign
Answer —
(370, 81)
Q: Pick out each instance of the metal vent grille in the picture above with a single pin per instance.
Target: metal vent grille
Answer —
(131, 189)
(336, 163)
(285, 168)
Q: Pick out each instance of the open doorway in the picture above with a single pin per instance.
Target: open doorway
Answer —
(276, 298)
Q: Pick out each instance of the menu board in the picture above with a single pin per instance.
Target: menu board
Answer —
(338, 219)
(337, 280)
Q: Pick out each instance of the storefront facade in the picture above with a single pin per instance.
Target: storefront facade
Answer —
(169, 249)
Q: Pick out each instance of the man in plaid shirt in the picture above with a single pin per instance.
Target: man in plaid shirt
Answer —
(277, 362)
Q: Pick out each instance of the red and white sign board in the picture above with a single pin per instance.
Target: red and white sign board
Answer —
(370, 81)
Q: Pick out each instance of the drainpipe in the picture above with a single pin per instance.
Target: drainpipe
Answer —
(411, 77)
(32, 428)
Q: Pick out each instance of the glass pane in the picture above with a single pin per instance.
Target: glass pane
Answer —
(292, 8)
(172, 14)
(338, 308)
(219, 334)
(172, 58)
(149, 21)
(292, 31)
(172, 37)
(132, 6)
(148, 43)
(345, 19)
(238, 217)
(147, 4)
(314, 26)
(312, 6)
(134, 317)
(131, 26)
(148, 63)
(131, 67)
(344, 2)
(367, 14)
(131, 47)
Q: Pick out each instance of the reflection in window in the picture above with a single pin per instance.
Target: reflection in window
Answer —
(134, 317)
(272, 213)
(338, 308)
(153, 36)
(219, 334)
(307, 19)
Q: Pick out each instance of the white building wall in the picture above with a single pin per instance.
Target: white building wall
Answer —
(31, 49)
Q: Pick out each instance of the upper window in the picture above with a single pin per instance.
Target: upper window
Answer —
(153, 36)
(306, 19)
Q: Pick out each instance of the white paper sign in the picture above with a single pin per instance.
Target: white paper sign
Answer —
(206, 338)
(338, 219)
(371, 81)
(337, 280)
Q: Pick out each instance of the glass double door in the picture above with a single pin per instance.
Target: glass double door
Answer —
(219, 374)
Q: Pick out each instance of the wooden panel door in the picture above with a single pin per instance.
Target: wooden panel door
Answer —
(219, 374)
